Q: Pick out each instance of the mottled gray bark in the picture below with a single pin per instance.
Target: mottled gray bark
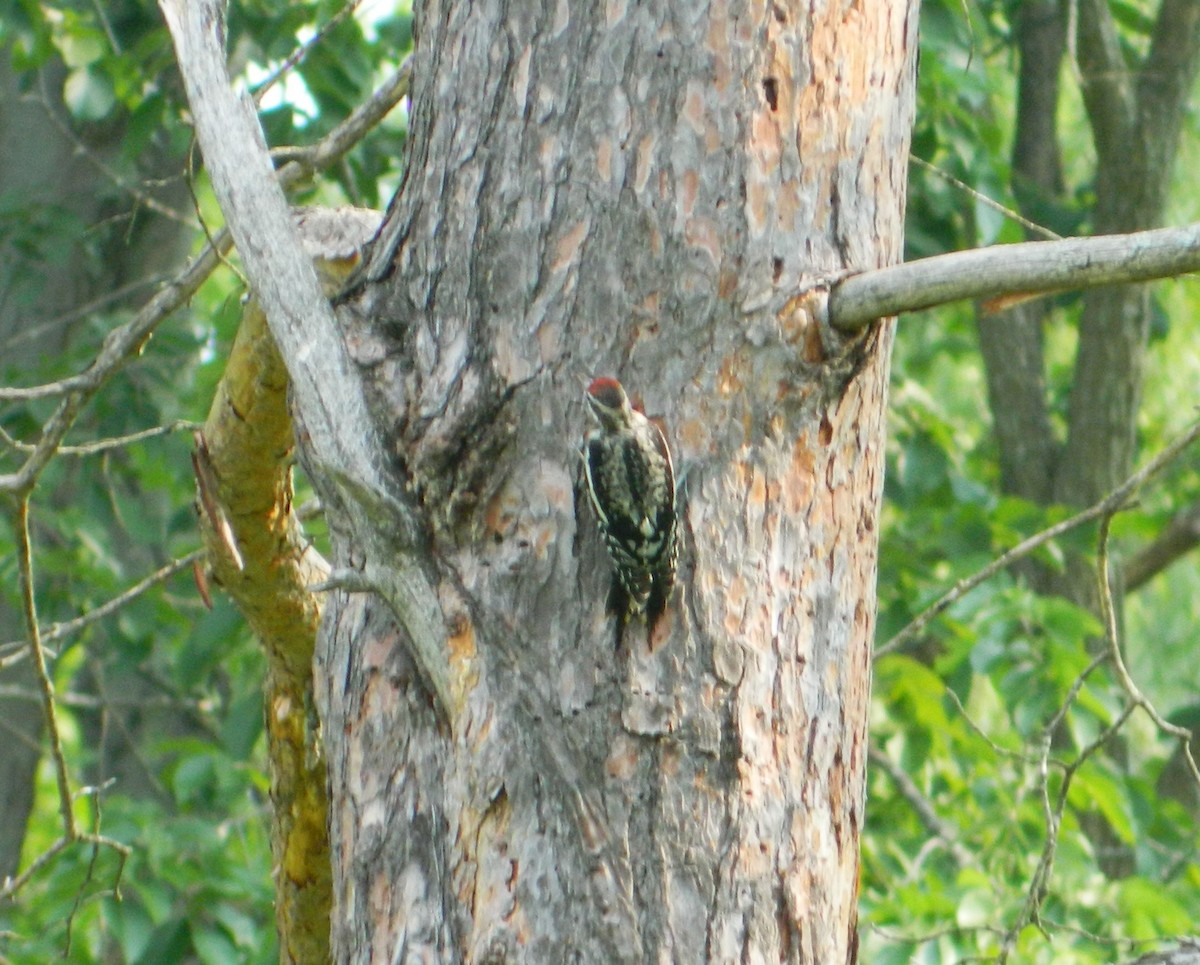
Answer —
(638, 190)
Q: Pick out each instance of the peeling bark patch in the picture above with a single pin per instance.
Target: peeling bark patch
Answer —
(493, 884)
(621, 764)
(702, 234)
(566, 252)
(814, 347)
(693, 108)
(796, 320)
(729, 377)
(798, 494)
(643, 162)
(604, 158)
(727, 284)
(735, 606)
(462, 639)
(825, 434)
(689, 187)
(462, 647)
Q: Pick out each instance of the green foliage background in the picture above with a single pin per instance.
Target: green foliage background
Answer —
(961, 712)
(963, 709)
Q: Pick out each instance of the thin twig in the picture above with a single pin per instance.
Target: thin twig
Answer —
(57, 631)
(91, 868)
(29, 607)
(1076, 685)
(298, 165)
(983, 199)
(1040, 882)
(1018, 756)
(1110, 504)
(134, 191)
(37, 332)
(10, 886)
(92, 702)
(921, 805)
(1138, 699)
(297, 55)
(105, 445)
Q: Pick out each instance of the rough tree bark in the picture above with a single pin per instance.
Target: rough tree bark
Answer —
(648, 191)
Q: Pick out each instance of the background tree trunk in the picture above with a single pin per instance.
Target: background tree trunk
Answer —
(652, 191)
(1135, 113)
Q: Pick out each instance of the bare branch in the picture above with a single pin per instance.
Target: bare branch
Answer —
(1034, 267)
(124, 342)
(327, 388)
(1179, 536)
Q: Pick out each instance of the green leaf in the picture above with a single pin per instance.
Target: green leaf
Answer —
(214, 947)
(1093, 790)
(194, 778)
(88, 94)
(243, 724)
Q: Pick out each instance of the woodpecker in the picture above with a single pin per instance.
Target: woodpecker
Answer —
(631, 486)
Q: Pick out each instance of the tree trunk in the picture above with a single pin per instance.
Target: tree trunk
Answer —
(653, 191)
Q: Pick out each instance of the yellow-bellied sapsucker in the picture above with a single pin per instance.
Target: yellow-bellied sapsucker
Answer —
(631, 485)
